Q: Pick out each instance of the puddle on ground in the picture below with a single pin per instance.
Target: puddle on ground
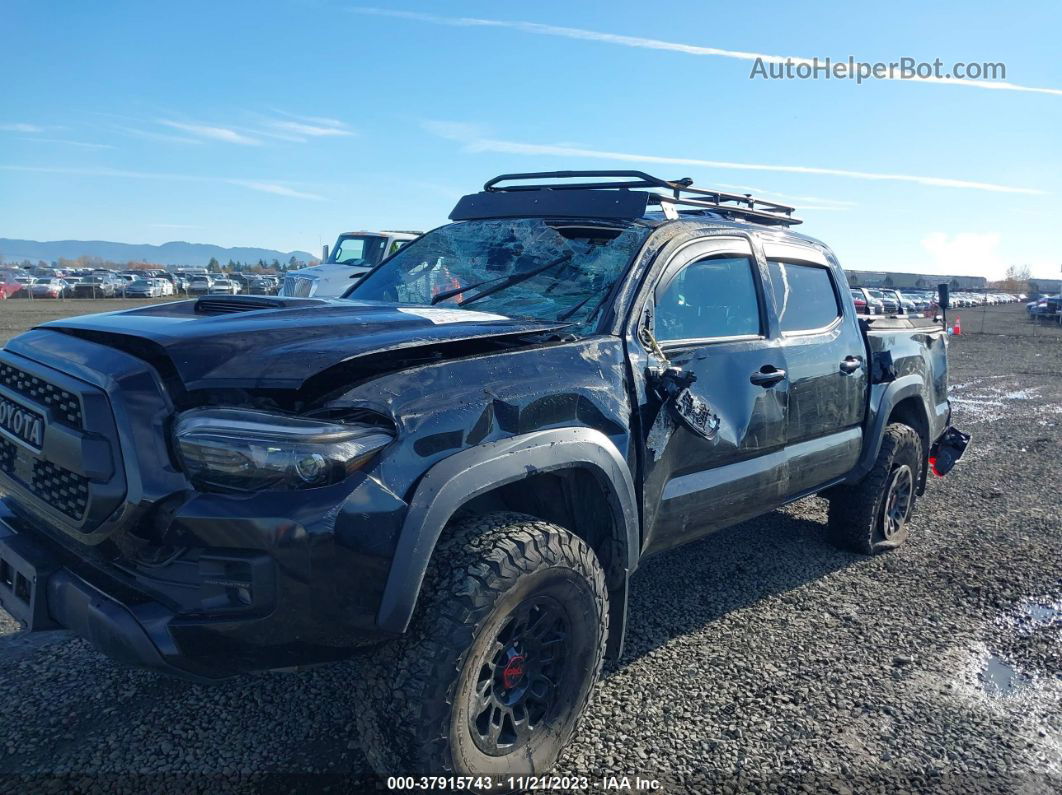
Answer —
(1042, 613)
(1000, 678)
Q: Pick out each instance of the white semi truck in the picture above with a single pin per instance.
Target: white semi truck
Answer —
(353, 255)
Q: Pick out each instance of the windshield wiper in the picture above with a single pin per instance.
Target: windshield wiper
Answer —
(458, 290)
(516, 278)
(581, 304)
(565, 315)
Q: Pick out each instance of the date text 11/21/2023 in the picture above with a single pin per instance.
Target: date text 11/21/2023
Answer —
(524, 783)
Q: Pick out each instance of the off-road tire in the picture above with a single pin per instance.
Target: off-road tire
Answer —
(857, 514)
(416, 697)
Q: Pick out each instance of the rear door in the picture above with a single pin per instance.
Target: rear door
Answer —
(824, 354)
(709, 316)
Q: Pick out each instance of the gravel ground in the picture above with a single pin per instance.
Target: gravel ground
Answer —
(759, 659)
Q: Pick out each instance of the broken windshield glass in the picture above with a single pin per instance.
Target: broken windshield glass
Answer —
(529, 268)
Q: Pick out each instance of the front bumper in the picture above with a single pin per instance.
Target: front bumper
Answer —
(45, 587)
(37, 590)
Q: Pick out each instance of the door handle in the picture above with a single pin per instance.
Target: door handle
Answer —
(851, 364)
(766, 376)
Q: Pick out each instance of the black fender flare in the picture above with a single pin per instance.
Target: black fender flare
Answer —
(911, 385)
(455, 480)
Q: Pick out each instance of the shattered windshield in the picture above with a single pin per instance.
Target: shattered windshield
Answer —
(529, 268)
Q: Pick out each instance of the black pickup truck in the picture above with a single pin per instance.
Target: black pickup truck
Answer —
(455, 470)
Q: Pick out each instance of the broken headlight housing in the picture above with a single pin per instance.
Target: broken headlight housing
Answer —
(249, 450)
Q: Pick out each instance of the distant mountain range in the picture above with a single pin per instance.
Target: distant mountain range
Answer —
(175, 253)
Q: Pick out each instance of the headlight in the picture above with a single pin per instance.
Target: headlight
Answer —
(251, 450)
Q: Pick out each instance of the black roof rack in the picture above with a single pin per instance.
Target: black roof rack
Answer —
(619, 197)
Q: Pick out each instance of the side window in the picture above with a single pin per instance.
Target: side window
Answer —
(713, 297)
(804, 295)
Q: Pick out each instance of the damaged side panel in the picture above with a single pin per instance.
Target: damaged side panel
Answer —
(442, 409)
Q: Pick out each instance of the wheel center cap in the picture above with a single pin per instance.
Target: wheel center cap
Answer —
(513, 672)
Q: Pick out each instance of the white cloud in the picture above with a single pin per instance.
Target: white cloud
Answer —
(20, 127)
(274, 188)
(770, 195)
(672, 46)
(965, 253)
(456, 130)
(478, 144)
(82, 144)
(214, 133)
(263, 186)
(312, 130)
(157, 136)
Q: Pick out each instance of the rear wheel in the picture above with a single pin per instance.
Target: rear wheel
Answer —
(872, 516)
(501, 659)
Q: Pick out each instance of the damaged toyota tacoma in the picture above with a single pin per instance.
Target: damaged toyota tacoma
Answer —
(452, 473)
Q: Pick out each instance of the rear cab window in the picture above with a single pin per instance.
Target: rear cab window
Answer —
(805, 296)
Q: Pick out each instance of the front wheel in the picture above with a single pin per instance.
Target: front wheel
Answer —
(872, 516)
(500, 661)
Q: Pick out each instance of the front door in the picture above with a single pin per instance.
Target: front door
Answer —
(707, 317)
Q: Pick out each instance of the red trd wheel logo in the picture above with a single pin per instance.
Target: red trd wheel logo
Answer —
(513, 672)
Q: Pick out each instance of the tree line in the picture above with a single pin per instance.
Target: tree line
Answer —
(214, 266)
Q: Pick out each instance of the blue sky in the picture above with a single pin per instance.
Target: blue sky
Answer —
(281, 124)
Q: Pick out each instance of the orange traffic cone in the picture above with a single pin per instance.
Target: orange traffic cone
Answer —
(957, 329)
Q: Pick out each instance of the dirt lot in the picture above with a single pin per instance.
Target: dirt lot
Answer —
(19, 314)
(759, 659)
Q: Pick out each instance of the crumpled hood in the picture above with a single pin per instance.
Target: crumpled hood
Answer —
(249, 342)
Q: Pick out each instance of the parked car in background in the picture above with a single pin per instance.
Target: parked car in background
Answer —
(99, 285)
(24, 282)
(861, 305)
(1044, 307)
(913, 302)
(261, 286)
(225, 286)
(353, 255)
(199, 285)
(889, 304)
(144, 288)
(49, 287)
(172, 281)
(9, 287)
(875, 306)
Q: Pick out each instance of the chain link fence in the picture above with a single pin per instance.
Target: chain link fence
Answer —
(1008, 319)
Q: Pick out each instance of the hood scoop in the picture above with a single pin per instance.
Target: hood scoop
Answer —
(227, 304)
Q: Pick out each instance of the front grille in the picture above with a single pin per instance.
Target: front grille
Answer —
(74, 480)
(66, 406)
(299, 286)
(64, 490)
(7, 456)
